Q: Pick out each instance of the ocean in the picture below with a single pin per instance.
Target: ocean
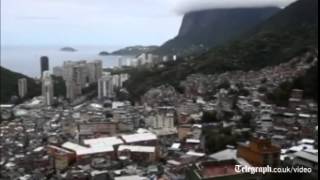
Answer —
(26, 59)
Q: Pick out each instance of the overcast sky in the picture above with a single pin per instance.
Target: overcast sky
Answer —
(102, 22)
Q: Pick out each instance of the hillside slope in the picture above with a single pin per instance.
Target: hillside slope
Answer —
(281, 38)
(9, 85)
(208, 28)
(134, 50)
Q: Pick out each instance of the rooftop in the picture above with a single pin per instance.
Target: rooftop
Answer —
(104, 141)
(216, 169)
(226, 154)
(139, 137)
(149, 149)
(82, 150)
(307, 156)
(130, 178)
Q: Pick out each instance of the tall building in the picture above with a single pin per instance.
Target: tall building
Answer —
(22, 87)
(120, 62)
(119, 79)
(95, 71)
(47, 88)
(44, 63)
(105, 87)
(116, 80)
(72, 90)
(72, 77)
(163, 118)
(57, 71)
(80, 74)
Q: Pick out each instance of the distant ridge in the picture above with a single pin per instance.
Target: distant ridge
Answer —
(134, 50)
(286, 35)
(9, 85)
(204, 29)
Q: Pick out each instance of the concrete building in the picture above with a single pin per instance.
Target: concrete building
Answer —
(295, 98)
(105, 87)
(119, 79)
(260, 152)
(97, 129)
(6, 111)
(57, 71)
(122, 62)
(79, 75)
(62, 157)
(73, 88)
(163, 119)
(137, 153)
(95, 70)
(307, 160)
(44, 64)
(216, 170)
(22, 87)
(297, 93)
(47, 88)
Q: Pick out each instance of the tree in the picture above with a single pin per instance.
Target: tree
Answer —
(246, 119)
(209, 117)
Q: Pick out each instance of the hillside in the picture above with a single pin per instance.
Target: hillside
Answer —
(134, 50)
(208, 28)
(271, 44)
(9, 87)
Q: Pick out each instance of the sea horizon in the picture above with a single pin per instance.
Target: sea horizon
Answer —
(25, 59)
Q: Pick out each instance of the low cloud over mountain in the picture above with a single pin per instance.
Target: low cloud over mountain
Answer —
(185, 6)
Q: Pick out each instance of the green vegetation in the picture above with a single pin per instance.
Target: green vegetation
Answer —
(9, 85)
(307, 82)
(202, 30)
(59, 86)
(209, 117)
(288, 34)
(214, 137)
(134, 50)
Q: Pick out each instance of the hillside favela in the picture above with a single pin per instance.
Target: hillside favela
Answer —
(159, 90)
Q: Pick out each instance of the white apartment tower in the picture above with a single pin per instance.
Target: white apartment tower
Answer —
(163, 118)
(22, 87)
(71, 75)
(105, 87)
(80, 74)
(94, 70)
(47, 88)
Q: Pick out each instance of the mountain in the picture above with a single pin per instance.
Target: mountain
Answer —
(9, 85)
(300, 13)
(208, 28)
(286, 35)
(134, 50)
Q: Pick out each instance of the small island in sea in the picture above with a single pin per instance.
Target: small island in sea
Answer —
(104, 53)
(68, 49)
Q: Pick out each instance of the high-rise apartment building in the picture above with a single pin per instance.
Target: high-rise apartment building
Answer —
(72, 77)
(95, 71)
(79, 75)
(44, 64)
(105, 87)
(119, 79)
(47, 88)
(57, 71)
(22, 87)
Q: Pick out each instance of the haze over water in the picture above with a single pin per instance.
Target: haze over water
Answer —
(26, 59)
